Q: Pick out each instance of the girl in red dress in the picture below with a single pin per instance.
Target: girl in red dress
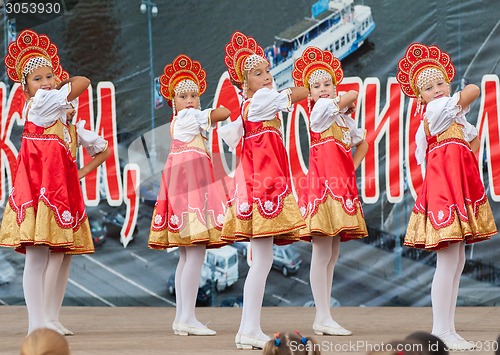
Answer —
(262, 208)
(329, 199)
(451, 208)
(45, 217)
(189, 211)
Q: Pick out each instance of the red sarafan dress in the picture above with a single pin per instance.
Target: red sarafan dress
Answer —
(329, 199)
(46, 205)
(190, 206)
(262, 204)
(452, 205)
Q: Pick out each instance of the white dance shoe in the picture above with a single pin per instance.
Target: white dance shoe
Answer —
(245, 342)
(174, 327)
(58, 327)
(459, 345)
(330, 330)
(185, 329)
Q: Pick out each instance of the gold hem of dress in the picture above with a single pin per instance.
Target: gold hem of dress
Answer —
(422, 234)
(42, 229)
(332, 220)
(193, 233)
(284, 227)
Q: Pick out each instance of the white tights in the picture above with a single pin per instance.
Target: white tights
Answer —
(33, 281)
(56, 279)
(187, 282)
(253, 291)
(325, 252)
(449, 266)
(44, 283)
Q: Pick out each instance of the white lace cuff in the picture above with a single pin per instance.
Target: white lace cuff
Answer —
(231, 133)
(91, 141)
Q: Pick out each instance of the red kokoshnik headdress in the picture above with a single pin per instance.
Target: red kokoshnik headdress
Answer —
(242, 54)
(313, 59)
(30, 51)
(417, 59)
(184, 71)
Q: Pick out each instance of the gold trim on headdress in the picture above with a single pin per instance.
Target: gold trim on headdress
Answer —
(312, 59)
(242, 54)
(419, 57)
(182, 69)
(27, 46)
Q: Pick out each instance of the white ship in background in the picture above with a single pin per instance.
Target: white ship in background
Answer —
(336, 25)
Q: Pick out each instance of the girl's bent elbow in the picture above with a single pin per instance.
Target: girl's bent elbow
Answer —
(106, 153)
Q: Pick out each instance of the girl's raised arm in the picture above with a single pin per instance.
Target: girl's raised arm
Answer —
(78, 85)
(219, 114)
(348, 99)
(299, 93)
(468, 95)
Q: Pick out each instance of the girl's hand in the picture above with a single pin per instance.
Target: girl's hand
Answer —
(81, 173)
(70, 113)
(98, 159)
(351, 109)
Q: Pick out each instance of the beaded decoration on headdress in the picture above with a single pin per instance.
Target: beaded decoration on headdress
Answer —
(181, 76)
(31, 51)
(314, 64)
(428, 76)
(242, 55)
(417, 60)
(319, 75)
(186, 86)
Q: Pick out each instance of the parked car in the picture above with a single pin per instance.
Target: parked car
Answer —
(232, 301)
(114, 223)
(7, 271)
(221, 267)
(241, 247)
(286, 259)
(204, 291)
(97, 228)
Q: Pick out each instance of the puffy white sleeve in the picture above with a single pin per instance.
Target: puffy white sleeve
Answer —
(441, 113)
(421, 142)
(186, 125)
(48, 106)
(470, 131)
(267, 102)
(91, 141)
(323, 114)
(357, 134)
(203, 118)
(231, 133)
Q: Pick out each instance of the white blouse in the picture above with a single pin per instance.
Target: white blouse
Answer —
(264, 105)
(91, 141)
(47, 106)
(189, 123)
(440, 115)
(326, 112)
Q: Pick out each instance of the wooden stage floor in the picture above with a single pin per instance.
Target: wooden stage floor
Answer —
(139, 330)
